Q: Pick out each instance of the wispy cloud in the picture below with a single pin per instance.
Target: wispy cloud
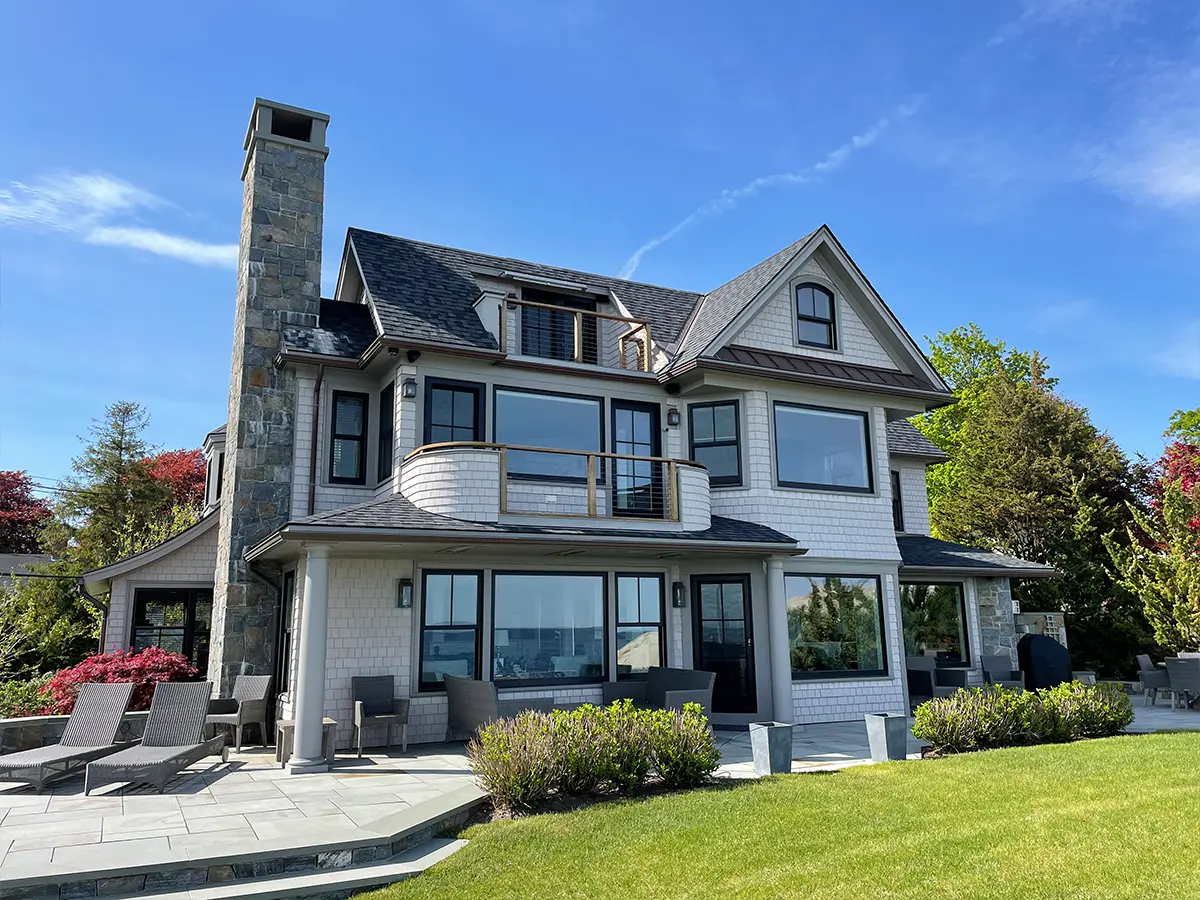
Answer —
(1094, 14)
(98, 208)
(730, 198)
(1181, 357)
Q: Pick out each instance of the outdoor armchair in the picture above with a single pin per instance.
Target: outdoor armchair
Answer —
(376, 703)
(1153, 679)
(664, 688)
(998, 670)
(90, 734)
(473, 704)
(248, 705)
(172, 741)
(927, 681)
(1183, 676)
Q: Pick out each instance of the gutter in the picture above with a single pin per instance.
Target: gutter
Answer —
(989, 572)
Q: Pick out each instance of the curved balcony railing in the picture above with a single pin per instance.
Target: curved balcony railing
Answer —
(482, 481)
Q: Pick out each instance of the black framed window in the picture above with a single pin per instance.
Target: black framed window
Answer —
(453, 411)
(835, 626)
(451, 606)
(178, 620)
(550, 333)
(348, 438)
(814, 316)
(713, 436)
(387, 426)
(897, 502)
(287, 608)
(824, 449)
(934, 617)
(559, 421)
(641, 640)
(548, 627)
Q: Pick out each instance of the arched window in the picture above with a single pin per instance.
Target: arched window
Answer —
(814, 316)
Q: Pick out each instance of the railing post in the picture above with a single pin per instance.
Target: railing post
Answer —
(648, 363)
(591, 485)
(673, 490)
(503, 479)
(578, 337)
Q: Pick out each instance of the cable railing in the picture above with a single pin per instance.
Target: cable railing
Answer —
(546, 331)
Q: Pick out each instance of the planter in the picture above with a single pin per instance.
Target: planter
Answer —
(887, 733)
(771, 743)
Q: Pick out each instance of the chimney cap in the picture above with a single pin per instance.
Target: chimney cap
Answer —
(285, 124)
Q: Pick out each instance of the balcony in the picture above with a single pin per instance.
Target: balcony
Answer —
(485, 482)
(547, 331)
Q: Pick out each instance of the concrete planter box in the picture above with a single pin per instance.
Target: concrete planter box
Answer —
(771, 744)
(887, 733)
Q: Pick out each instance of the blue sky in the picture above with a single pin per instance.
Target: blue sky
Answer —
(1031, 165)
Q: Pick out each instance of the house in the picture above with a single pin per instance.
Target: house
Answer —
(14, 565)
(466, 464)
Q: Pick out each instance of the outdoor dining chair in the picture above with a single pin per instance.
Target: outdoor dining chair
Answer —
(247, 706)
(376, 703)
(1184, 678)
(1153, 679)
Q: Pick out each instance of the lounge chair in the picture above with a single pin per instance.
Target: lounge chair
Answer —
(998, 670)
(376, 703)
(664, 688)
(247, 706)
(473, 704)
(1184, 677)
(90, 734)
(1153, 679)
(172, 741)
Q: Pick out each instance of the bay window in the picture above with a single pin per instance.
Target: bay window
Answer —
(548, 628)
(935, 622)
(835, 626)
(822, 449)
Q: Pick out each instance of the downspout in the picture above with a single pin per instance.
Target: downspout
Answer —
(316, 433)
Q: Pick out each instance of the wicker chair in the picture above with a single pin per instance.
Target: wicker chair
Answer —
(926, 681)
(247, 706)
(998, 670)
(376, 703)
(664, 688)
(91, 733)
(473, 704)
(172, 741)
(1184, 678)
(1153, 679)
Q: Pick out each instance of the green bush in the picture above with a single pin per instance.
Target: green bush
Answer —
(24, 698)
(984, 718)
(522, 761)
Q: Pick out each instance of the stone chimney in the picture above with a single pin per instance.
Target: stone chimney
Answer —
(279, 280)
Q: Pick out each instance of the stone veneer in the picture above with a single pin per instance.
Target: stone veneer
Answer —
(997, 631)
(279, 279)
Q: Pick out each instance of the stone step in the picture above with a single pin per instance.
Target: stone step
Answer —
(325, 884)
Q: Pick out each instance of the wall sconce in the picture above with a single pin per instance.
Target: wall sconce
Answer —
(410, 388)
(678, 594)
(404, 592)
(673, 417)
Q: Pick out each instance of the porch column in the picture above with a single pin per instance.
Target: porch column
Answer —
(310, 683)
(777, 627)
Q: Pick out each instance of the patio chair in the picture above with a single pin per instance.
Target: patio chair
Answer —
(664, 688)
(376, 703)
(172, 741)
(998, 670)
(1183, 676)
(248, 705)
(473, 704)
(1153, 679)
(929, 681)
(91, 733)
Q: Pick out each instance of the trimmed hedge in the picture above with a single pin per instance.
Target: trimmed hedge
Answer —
(524, 761)
(990, 717)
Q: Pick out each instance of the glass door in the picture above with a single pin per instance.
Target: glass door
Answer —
(723, 640)
(637, 484)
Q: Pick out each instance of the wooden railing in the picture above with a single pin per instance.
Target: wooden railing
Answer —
(575, 335)
(585, 484)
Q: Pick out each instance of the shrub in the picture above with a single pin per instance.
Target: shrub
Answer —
(24, 698)
(983, 718)
(144, 668)
(522, 761)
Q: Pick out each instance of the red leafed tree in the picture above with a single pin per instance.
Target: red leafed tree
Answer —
(183, 470)
(21, 513)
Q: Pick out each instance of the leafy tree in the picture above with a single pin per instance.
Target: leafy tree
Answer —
(184, 471)
(21, 514)
(1185, 426)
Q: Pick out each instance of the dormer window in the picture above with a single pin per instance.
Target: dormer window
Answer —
(814, 316)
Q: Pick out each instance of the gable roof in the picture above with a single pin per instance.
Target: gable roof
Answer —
(904, 439)
(428, 292)
(152, 554)
(922, 553)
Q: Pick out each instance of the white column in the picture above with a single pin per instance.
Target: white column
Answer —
(310, 683)
(781, 660)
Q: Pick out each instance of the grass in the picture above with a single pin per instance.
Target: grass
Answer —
(1109, 818)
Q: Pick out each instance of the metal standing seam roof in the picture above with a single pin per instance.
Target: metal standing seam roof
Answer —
(823, 368)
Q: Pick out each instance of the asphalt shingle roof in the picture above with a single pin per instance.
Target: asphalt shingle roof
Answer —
(399, 513)
(921, 551)
(344, 329)
(426, 291)
(903, 437)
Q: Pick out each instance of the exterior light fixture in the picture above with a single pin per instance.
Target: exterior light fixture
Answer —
(410, 388)
(404, 593)
(673, 417)
(678, 594)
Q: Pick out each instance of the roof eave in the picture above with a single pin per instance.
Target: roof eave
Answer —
(151, 554)
(987, 571)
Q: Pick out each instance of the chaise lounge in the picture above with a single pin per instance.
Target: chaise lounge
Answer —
(91, 733)
(172, 741)
(664, 688)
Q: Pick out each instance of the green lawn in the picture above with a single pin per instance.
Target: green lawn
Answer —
(1099, 819)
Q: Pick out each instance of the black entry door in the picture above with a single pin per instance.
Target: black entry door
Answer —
(637, 485)
(723, 640)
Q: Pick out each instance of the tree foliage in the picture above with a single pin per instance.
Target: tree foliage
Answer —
(1184, 426)
(22, 514)
(183, 472)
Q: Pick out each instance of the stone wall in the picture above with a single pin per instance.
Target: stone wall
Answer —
(997, 633)
(30, 732)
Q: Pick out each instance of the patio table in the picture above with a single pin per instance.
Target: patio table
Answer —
(285, 733)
